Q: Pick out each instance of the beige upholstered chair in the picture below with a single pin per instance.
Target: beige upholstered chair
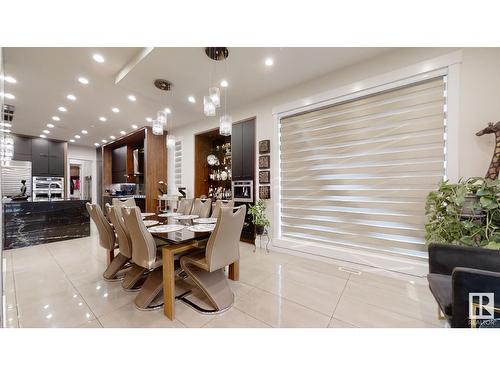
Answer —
(200, 208)
(146, 256)
(107, 239)
(207, 268)
(185, 206)
(218, 205)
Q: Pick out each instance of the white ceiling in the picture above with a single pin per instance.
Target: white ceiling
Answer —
(46, 75)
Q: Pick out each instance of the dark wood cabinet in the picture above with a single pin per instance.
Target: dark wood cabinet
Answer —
(22, 148)
(40, 157)
(119, 165)
(243, 150)
(47, 158)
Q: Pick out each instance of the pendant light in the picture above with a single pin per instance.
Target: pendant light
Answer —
(157, 127)
(225, 121)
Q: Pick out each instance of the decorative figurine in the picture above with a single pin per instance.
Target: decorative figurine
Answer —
(494, 167)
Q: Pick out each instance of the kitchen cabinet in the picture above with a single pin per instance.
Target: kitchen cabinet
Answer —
(22, 148)
(47, 158)
(243, 150)
(119, 165)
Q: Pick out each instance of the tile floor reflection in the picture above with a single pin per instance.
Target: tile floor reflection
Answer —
(61, 285)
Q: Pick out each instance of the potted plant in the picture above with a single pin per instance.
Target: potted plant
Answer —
(466, 213)
(258, 212)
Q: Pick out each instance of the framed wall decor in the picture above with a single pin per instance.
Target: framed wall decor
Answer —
(265, 146)
(265, 162)
(264, 177)
(265, 192)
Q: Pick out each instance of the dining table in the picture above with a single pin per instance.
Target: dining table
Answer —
(182, 241)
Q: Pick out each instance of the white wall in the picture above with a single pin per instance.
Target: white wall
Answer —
(88, 154)
(479, 103)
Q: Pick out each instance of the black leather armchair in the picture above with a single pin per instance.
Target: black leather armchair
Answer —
(456, 271)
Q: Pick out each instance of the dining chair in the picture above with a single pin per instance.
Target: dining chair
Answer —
(135, 275)
(185, 206)
(108, 240)
(202, 208)
(218, 205)
(206, 269)
(145, 254)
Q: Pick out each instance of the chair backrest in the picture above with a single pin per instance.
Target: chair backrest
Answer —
(218, 205)
(129, 202)
(223, 246)
(143, 243)
(200, 208)
(106, 232)
(185, 206)
(124, 242)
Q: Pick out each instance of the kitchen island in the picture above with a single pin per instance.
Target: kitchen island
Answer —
(33, 222)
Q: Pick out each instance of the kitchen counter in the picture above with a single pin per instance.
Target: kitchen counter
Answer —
(42, 200)
(28, 222)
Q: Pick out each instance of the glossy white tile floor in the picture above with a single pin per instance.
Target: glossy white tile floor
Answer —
(60, 285)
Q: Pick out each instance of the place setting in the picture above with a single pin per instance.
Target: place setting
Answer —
(166, 228)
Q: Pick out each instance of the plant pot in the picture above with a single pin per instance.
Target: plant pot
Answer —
(259, 229)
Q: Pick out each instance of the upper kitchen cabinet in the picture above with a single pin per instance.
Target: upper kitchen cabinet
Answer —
(243, 150)
(22, 148)
(119, 165)
(47, 158)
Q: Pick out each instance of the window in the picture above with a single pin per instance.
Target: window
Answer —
(356, 174)
(178, 163)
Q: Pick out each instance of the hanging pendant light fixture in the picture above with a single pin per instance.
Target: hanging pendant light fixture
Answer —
(225, 121)
(157, 127)
(214, 94)
(208, 106)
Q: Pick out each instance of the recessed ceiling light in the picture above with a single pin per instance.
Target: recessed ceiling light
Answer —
(115, 110)
(103, 119)
(50, 125)
(77, 136)
(112, 137)
(149, 119)
(46, 131)
(98, 58)
(104, 140)
(132, 98)
(167, 110)
(9, 79)
(134, 126)
(43, 136)
(7, 95)
(72, 140)
(123, 132)
(85, 132)
(62, 109)
(83, 80)
(56, 118)
(96, 144)
(269, 61)
(71, 97)
(224, 83)
(191, 99)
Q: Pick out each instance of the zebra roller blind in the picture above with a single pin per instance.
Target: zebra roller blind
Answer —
(356, 174)
(178, 163)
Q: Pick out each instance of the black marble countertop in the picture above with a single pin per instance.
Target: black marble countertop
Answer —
(31, 200)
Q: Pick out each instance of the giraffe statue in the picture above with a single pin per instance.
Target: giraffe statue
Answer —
(494, 168)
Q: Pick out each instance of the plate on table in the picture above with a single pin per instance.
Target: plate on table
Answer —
(170, 214)
(186, 217)
(150, 223)
(205, 220)
(147, 214)
(202, 228)
(165, 228)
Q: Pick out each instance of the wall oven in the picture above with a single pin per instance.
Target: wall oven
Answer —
(242, 191)
(48, 188)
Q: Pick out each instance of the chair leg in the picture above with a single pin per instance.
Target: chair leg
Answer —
(149, 298)
(213, 284)
(134, 278)
(117, 264)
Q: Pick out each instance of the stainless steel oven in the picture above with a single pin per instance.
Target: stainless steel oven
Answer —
(242, 191)
(48, 188)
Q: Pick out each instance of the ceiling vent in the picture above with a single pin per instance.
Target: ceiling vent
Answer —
(8, 113)
(163, 84)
